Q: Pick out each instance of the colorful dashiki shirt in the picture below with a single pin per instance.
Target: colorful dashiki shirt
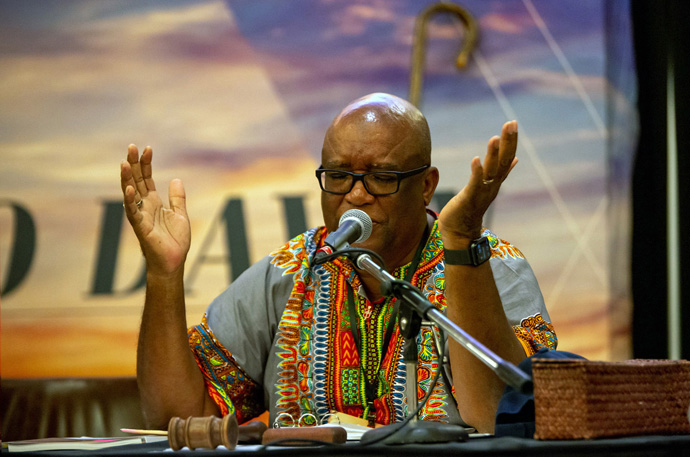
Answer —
(279, 338)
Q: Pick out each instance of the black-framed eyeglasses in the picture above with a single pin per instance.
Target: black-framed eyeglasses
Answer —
(375, 182)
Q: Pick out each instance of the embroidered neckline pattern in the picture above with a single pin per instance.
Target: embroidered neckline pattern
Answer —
(325, 374)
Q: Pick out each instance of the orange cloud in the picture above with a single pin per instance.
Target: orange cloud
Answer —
(512, 25)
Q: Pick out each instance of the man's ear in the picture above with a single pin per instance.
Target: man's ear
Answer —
(430, 183)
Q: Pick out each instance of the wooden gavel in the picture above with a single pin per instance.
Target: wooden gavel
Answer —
(210, 432)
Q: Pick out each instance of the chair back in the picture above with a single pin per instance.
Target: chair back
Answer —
(64, 407)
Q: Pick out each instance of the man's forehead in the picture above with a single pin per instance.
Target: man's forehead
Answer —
(340, 164)
(391, 153)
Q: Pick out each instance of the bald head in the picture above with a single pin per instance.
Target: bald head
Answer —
(385, 111)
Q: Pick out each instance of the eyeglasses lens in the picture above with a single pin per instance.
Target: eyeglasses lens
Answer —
(375, 183)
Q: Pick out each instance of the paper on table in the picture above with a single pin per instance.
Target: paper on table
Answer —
(354, 431)
(83, 443)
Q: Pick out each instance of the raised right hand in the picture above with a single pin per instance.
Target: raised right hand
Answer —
(164, 233)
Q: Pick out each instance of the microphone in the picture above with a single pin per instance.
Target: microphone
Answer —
(354, 227)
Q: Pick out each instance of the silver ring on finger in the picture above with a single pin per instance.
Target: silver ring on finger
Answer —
(139, 203)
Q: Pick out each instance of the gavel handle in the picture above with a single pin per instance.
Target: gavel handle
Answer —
(252, 432)
(327, 433)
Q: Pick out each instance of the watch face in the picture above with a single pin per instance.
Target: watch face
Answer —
(483, 250)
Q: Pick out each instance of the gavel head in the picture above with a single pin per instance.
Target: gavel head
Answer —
(203, 432)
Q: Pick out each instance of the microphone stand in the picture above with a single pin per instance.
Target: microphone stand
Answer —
(414, 307)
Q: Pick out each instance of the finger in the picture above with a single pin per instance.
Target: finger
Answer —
(146, 169)
(490, 167)
(125, 175)
(476, 173)
(177, 197)
(133, 159)
(512, 165)
(131, 207)
(507, 147)
(470, 206)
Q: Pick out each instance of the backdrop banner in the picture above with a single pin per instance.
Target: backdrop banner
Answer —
(235, 96)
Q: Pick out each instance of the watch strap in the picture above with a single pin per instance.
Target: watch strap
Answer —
(478, 253)
(457, 256)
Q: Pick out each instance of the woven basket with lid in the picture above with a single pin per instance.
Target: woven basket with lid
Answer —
(580, 399)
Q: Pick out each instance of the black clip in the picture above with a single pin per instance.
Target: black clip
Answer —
(371, 414)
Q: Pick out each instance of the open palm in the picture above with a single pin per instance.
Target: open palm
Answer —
(164, 233)
(462, 215)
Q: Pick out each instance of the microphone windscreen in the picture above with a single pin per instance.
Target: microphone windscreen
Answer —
(363, 219)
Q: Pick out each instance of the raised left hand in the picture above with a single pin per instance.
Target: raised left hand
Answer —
(461, 218)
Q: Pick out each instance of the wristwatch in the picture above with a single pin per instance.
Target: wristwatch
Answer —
(478, 253)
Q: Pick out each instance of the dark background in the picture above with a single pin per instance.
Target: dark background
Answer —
(661, 35)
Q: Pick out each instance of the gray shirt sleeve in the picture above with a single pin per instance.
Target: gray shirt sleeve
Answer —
(518, 288)
(244, 318)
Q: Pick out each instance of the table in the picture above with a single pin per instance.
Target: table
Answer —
(646, 446)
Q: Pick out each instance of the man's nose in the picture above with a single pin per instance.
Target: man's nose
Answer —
(358, 195)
